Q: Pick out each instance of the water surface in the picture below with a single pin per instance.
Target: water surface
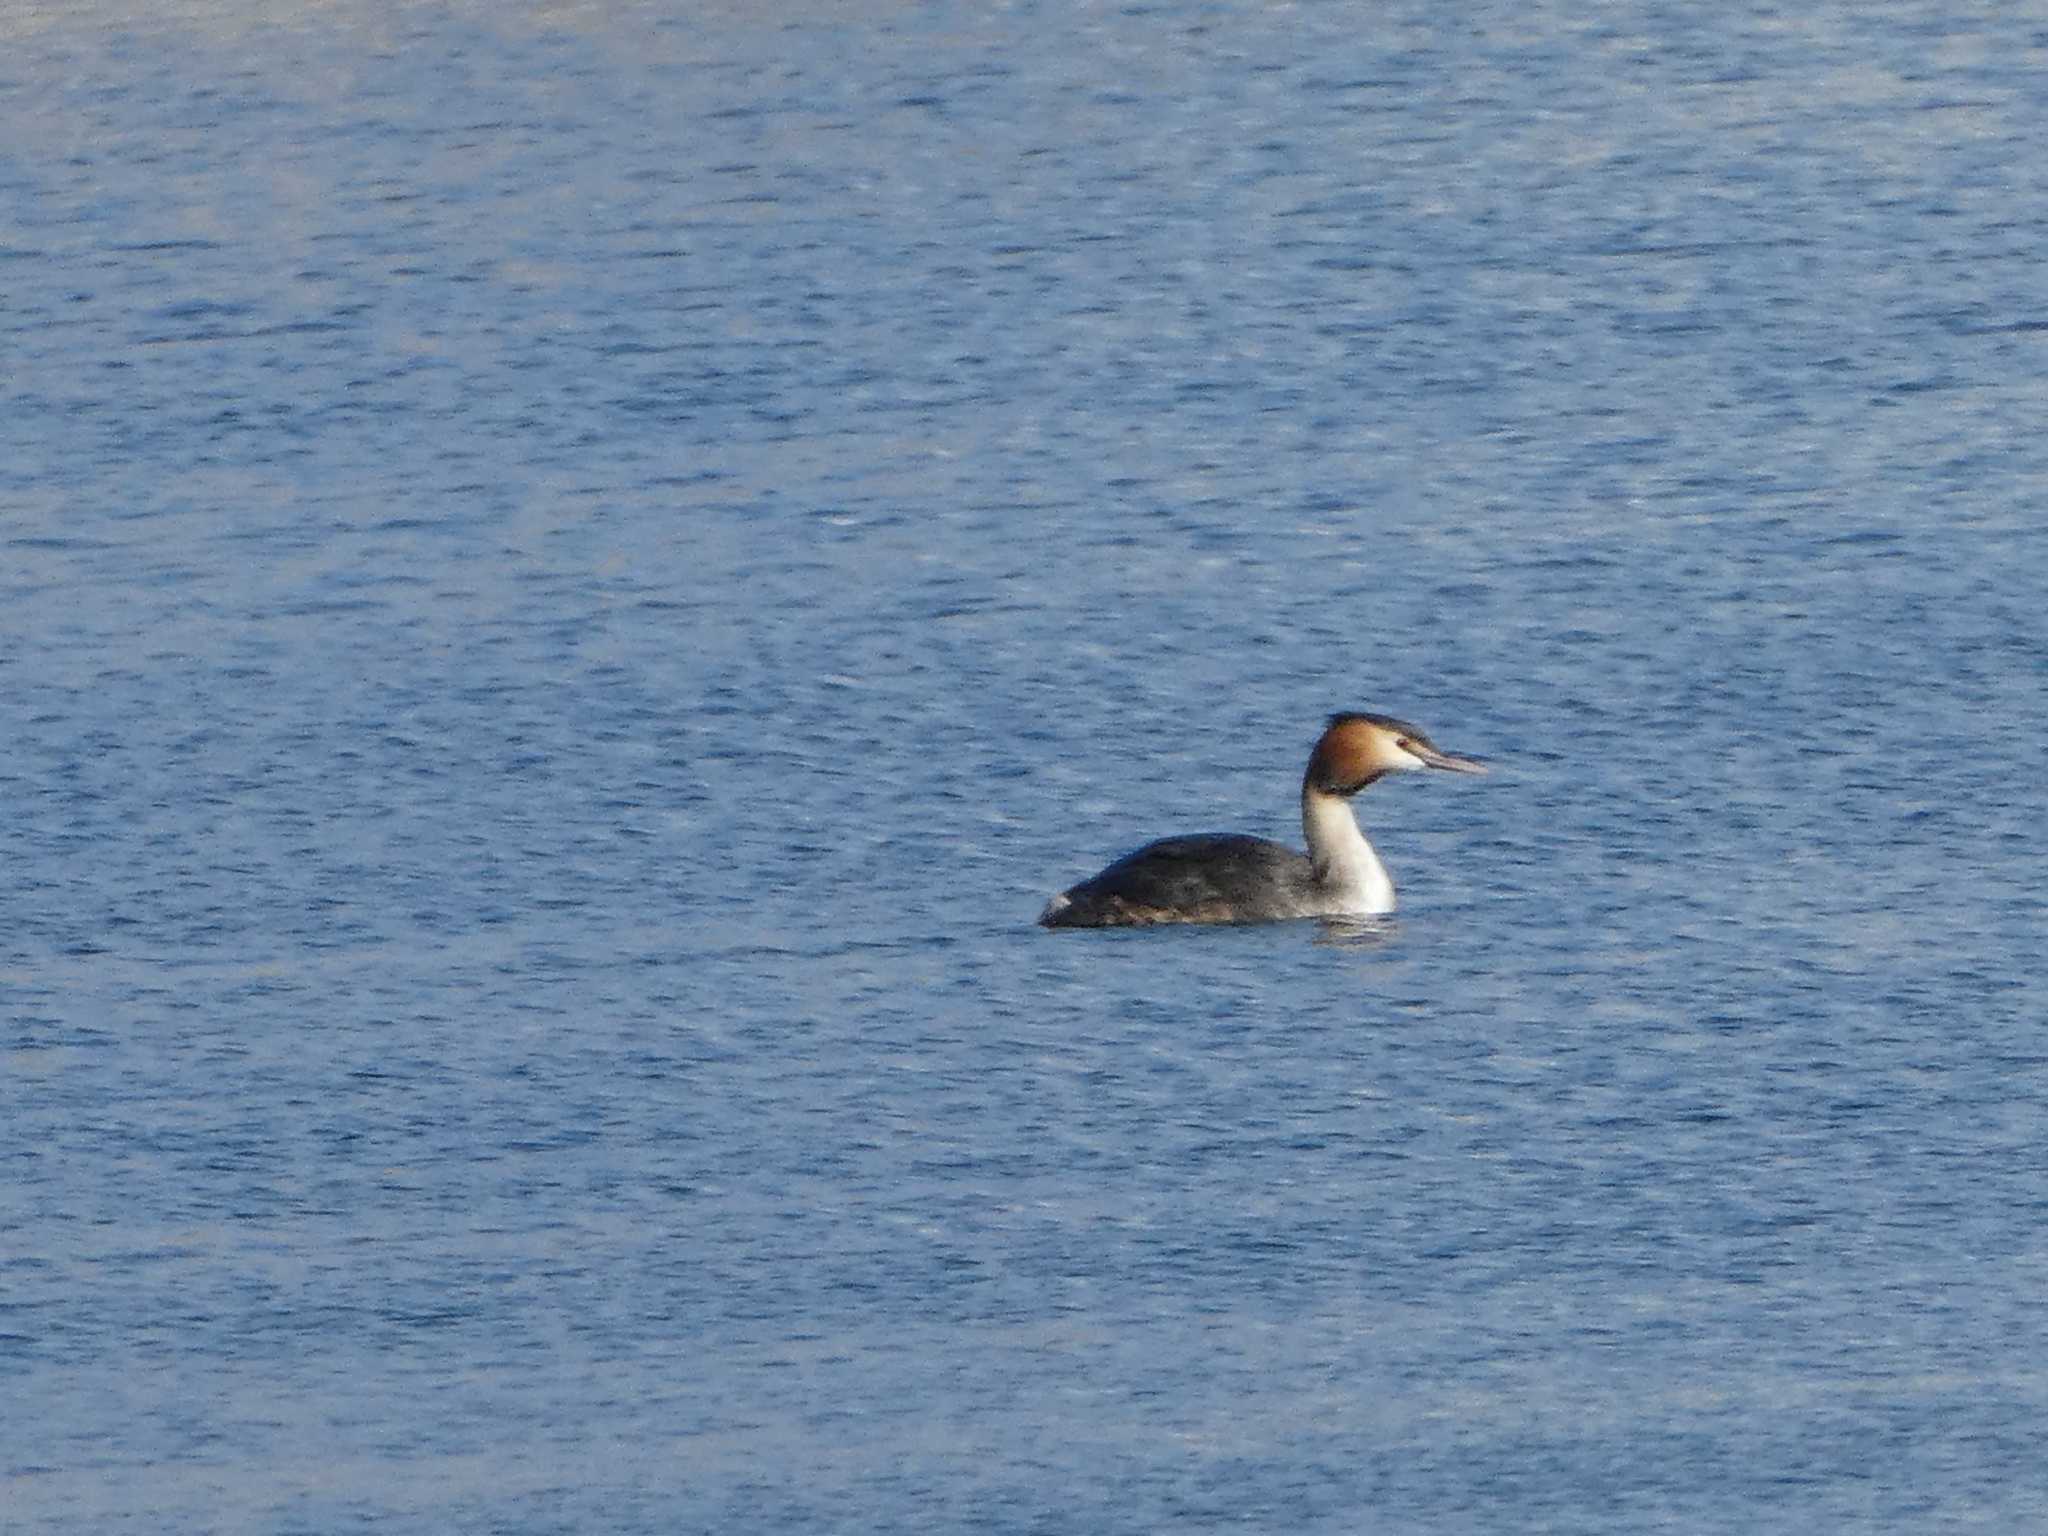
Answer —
(570, 580)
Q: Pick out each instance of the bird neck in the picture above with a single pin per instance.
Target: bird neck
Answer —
(1345, 863)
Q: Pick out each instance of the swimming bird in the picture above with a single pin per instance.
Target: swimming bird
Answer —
(1225, 877)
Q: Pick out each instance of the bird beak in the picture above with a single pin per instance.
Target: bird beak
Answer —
(1444, 760)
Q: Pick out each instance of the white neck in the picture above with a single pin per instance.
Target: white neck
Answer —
(1345, 863)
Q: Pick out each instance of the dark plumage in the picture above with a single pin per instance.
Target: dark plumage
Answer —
(1205, 877)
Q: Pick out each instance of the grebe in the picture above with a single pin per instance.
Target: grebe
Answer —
(1222, 877)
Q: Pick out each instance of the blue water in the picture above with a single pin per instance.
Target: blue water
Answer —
(571, 579)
